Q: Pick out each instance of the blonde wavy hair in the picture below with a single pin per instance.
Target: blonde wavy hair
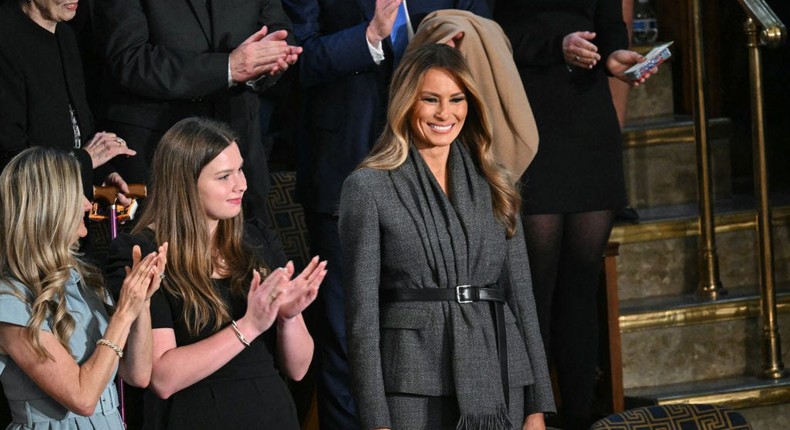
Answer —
(392, 147)
(178, 217)
(40, 213)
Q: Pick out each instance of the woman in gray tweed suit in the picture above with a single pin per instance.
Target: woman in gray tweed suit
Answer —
(442, 330)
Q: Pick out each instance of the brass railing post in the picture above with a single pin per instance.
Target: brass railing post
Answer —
(709, 282)
(772, 345)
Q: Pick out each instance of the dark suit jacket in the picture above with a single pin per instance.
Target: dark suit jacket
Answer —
(345, 90)
(168, 60)
(405, 347)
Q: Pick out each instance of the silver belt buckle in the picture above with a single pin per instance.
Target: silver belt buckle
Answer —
(459, 295)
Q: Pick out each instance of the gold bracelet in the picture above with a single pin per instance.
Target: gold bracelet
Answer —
(111, 345)
(238, 334)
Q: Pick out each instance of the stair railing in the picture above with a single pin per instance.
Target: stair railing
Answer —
(709, 284)
(771, 33)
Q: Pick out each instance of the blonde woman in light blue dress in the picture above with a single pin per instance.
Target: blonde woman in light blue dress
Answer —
(59, 347)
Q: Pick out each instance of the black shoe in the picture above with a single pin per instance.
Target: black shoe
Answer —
(627, 215)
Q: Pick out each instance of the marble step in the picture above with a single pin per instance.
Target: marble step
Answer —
(731, 208)
(660, 163)
(658, 257)
(688, 309)
(683, 353)
(765, 403)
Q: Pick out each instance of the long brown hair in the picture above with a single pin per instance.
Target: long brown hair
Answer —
(178, 217)
(392, 147)
(40, 212)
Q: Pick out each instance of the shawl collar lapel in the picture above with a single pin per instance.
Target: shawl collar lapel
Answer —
(201, 13)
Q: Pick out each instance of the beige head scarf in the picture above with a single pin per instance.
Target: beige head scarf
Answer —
(490, 58)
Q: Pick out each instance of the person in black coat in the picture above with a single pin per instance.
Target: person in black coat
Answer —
(170, 60)
(565, 51)
(42, 90)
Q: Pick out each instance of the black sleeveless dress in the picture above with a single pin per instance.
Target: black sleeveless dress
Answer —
(246, 393)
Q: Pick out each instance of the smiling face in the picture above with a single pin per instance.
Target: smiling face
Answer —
(439, 112)
(47, 13)
(221, 185)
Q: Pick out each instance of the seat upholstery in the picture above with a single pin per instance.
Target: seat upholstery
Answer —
(674, 417)
(287, 217)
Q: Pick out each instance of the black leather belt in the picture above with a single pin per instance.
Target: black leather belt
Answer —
(460, 294)
(464, 294)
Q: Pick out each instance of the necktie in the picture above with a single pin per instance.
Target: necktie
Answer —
(400, 33)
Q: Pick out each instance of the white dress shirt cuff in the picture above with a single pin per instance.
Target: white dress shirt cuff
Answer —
(230, 75)
(377, 52)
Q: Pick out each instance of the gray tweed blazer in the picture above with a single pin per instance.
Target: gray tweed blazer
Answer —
(405, 347)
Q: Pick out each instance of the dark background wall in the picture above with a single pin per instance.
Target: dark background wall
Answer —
(727, 86)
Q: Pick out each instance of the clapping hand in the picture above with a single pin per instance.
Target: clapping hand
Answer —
(142, 280)
(303, 289)
(264, 299)
(263, 53)
(160, 263)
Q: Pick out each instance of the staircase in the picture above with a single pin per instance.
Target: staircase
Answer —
(677, 347)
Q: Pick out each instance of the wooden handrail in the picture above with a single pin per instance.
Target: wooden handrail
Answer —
(773, 32)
